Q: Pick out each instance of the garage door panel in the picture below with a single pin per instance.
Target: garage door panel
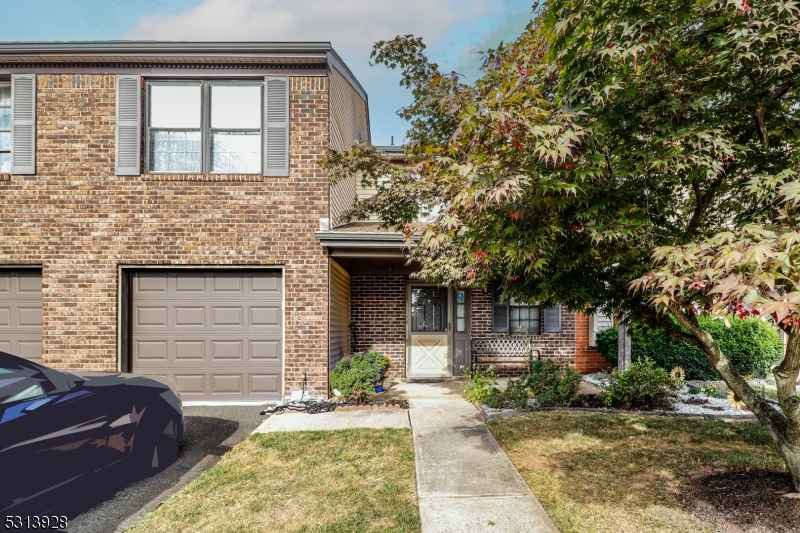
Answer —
(265, 350)
(190, 383)
(150, 283)
(265, 383)
(227, 316)
(21, 313)
(30, 283)
(222, 336)
(151, 316)
(226, 350)
(227, 283)
(265, 316)
(190, 316)
(29, 317)
(266, 283)
(190, 350)
(226, 383)
(31, 350)
(150, 350)
(188, 283)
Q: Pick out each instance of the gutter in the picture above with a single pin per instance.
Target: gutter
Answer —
(343, 239)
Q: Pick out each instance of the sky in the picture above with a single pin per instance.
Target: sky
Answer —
(456, 31)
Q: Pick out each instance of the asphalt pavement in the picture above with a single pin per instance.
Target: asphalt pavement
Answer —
(210, 432)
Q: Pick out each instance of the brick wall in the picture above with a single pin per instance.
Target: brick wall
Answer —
(587, 358)
(557, 346)
(79, 221)
(378, 313)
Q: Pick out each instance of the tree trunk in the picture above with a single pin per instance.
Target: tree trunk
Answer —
(783, 427)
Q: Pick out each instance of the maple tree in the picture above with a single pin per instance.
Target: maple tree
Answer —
(638, 157)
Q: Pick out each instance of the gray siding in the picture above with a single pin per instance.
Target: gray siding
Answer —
(348, 123)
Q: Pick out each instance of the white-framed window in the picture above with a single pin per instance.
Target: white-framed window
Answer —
(205, 127)
(5, 128)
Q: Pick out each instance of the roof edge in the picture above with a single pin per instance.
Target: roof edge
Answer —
(10, 48)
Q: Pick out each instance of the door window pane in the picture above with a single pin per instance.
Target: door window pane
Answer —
(428, 309)
(236, 151)
(461, 311)
(236, 107)
(175, 106)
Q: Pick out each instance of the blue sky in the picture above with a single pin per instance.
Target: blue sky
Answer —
(455, 31)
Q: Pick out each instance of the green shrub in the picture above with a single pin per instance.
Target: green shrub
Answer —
(516, 391)
(606, 340)
(642, 386)
(358, 375)
(479, 384)
(552, 383)
(752, 345)
(495, 399)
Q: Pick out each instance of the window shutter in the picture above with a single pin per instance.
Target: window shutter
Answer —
(552, 319)
(23, 124)
(500, 311)
(129, 131)
(276, 126)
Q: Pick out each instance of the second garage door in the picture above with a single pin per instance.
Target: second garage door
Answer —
(216, 334)
(21, 313)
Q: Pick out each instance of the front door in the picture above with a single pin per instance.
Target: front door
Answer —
(461, 332)
(428, 332)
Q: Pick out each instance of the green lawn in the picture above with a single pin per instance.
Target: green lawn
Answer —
(357, 480)
(617, 473)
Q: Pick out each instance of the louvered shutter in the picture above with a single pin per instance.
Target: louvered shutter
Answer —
(552, 320)
(500, 311)
(23, 124)
(276, 126)
(129, 120)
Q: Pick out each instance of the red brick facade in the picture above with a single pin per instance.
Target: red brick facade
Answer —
(378, 315)
(80, 222)
(587, 358)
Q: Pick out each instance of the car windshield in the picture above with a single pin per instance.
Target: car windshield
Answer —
(21, 384)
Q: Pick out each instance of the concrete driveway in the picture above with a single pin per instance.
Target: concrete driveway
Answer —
(210, 432)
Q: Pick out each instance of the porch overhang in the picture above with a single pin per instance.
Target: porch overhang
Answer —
(350, 239)
(367, 252)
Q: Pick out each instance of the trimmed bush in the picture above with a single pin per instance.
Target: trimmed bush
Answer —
(642, 386)
(358, 375)
(552, 383)
(606, 340)
(752, 345)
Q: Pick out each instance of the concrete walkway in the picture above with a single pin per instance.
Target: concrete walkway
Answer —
(465, 481)
(389, 418)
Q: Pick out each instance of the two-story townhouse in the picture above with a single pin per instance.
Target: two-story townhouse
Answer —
(164, 212)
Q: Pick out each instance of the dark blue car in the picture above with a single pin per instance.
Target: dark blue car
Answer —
(69, 442)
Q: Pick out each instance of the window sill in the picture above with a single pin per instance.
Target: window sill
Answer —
(204, 177)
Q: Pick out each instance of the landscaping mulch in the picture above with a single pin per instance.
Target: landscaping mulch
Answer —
(742, 501)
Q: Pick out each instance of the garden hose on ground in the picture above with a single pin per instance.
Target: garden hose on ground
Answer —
(323, 406)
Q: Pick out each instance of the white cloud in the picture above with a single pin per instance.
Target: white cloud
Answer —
(352, 26)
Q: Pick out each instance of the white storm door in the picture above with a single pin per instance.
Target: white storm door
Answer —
(428, 332)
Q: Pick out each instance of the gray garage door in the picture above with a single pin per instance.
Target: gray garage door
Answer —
(216, 334)
(21, 313)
